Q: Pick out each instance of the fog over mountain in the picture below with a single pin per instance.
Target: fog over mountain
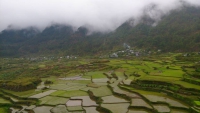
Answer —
(96, 15)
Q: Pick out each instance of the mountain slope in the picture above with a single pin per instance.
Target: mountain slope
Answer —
(179, 31)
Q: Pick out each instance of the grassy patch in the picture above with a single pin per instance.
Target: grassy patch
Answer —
(4, 109)
(187, 85)
(69, 86)
(3, 101)
(101, 91)
(101, 80)
(116, 108)
(74, 108)
(43, 94)
(42, 66)
(69, 93)
(93, 85)
(142, 91)
(160, 78)
(97, 74)
(51, 100)
(87, 88)
(197, 103)
(120, 75)
(173, 73)
(137, 111)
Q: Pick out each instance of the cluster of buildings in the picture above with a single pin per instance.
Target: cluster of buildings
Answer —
(50, 58)
(127, 51)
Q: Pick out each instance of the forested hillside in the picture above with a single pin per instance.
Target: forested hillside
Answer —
(177, 32)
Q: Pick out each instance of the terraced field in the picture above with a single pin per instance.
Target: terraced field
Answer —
(139, 85)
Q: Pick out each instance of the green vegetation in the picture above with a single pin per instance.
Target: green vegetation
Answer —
(154, 83)
(42, 94)
(69, 86)
(4, 109)
(27, 93)
(96, 75)
(56, 67)
(116, 108)
(69, 93)
(101, 91)
(187, 85)
(197, 103)
(4, 101)
(74, 108)
(178, 111)
(51, 100)
(138, 111)
(178, 31)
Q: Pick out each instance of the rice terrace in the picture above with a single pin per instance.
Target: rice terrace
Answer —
(99, 56)
(158, 83)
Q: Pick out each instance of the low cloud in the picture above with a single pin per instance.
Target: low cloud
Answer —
(97, 15)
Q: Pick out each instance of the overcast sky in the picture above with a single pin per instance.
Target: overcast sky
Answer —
(98, 15)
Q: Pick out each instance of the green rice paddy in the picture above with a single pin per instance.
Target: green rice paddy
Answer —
(153, 84)
(69, 94)
(4, 101)
(116, 108)
(4, 109)
(51, 100)
(101, 91)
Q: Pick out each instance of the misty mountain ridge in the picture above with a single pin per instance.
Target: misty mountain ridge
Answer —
(177, 32)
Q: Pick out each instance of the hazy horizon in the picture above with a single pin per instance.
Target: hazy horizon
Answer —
(96, 15)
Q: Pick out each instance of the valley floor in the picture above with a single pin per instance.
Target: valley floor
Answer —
(165, 83)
